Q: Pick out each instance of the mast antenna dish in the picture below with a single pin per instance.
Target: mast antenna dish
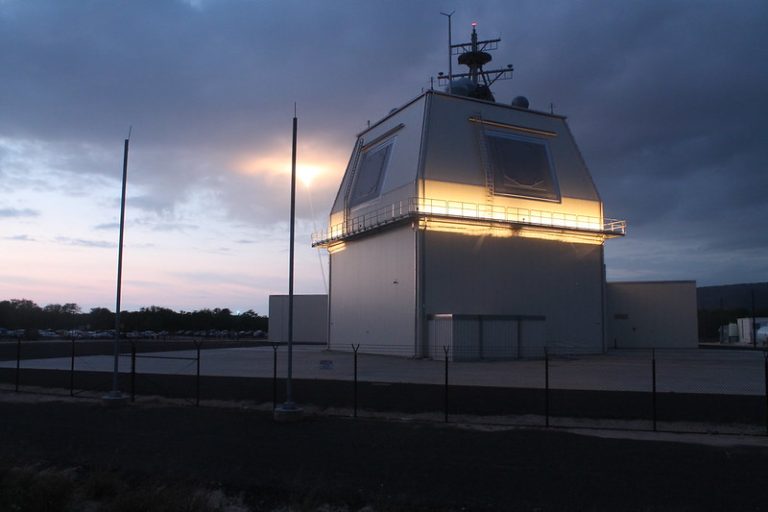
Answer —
(475, 83)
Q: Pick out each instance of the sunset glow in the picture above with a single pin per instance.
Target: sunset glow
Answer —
(312, 168)
(210, 93)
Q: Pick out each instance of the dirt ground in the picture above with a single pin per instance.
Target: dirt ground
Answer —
(378, 464)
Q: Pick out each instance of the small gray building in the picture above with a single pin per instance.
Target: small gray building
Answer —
(310, 318)
(652, 314)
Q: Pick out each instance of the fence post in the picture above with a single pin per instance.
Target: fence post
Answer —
(445, 350)
(274, 376)
(765, 373)
(546, 387)
(355, 348)
(653, 376)
(18, 361)
(72, 369)
(197, 376)
(133, 371)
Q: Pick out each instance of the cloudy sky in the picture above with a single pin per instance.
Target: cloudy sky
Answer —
(666, 99)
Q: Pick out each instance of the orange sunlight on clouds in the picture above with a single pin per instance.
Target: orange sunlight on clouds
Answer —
(312, 167)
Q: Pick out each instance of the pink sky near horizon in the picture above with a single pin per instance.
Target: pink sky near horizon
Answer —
(207, 262)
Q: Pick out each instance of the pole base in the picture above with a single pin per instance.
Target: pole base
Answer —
(114, 399)
(288, 412)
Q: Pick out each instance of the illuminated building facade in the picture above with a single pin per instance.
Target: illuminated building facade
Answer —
(471, 225)
(466, 223)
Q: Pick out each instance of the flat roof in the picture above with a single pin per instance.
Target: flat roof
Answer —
(456, 96)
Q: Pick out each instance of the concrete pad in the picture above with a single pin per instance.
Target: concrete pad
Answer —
(680, 371)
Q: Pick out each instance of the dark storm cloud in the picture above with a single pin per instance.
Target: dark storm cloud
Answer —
(214, 75)
(665, 99)
(200, 82)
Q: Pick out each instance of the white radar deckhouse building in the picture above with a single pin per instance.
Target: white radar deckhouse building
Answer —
(468, 224)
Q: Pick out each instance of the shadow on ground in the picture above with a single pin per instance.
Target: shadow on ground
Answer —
(385, 465)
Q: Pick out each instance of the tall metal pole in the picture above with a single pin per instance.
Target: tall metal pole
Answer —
(450, 54)
(115, 393)
(288, 411)
(288, 389)
(473, 69)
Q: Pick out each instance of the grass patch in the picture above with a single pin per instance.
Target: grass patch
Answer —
(45, 489)
(32, 489)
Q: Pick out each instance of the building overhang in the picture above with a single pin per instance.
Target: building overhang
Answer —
(475, 219)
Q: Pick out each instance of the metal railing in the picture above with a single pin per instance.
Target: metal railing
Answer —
(418, 207)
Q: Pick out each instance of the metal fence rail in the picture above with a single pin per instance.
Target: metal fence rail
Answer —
(658, 390)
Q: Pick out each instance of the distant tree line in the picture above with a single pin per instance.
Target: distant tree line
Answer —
(25, 314)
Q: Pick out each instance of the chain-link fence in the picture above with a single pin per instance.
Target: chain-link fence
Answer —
(700, 390)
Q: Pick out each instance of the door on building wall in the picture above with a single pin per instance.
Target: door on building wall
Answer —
(491, 337)
(499, 337)
(440, 328)
(467, 339)
(621, 331)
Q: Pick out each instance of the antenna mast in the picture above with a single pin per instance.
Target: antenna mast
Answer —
(474, 55)
(450, 52)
